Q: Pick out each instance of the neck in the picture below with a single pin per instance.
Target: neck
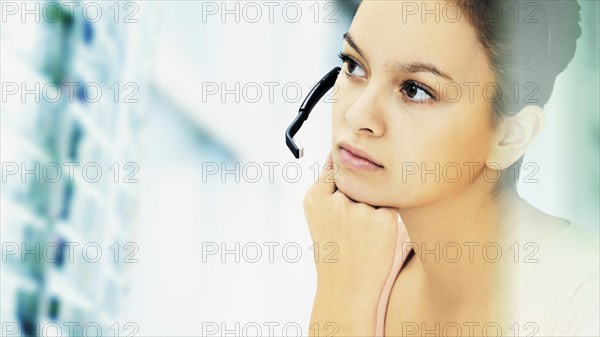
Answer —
(455, 242)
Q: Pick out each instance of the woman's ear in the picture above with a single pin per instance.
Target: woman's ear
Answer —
(514, 135)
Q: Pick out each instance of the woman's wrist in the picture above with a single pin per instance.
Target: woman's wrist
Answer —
(349, 312)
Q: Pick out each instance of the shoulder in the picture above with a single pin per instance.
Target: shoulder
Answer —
(560, 291)
(580, 315)
(576, 240)
(574, 252)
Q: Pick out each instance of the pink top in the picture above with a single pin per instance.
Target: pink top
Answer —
(399, 258)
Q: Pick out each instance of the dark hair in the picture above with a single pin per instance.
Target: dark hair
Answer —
(528, 44)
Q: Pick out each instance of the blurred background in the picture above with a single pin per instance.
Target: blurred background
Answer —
(146, 185)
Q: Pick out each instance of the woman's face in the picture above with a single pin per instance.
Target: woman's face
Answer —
(413, 98)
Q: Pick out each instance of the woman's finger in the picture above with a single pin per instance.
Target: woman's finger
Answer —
(326, 183)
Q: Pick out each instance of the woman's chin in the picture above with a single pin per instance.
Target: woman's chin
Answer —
(362, 193)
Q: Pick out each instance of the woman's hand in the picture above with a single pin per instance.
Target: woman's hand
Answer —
(349, 282)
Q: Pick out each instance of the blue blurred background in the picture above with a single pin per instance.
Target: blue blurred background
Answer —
(196, 221)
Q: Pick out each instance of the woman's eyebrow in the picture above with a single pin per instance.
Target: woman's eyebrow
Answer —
(352, 44)
(411, 67)
(418, 67)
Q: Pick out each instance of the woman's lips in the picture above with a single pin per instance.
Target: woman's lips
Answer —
(354, 162)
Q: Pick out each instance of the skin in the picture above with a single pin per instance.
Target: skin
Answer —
(358, 210)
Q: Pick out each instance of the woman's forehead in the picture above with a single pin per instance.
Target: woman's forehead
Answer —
(389, 32)
(442, 18)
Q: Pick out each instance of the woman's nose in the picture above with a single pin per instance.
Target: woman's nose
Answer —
(366, 115)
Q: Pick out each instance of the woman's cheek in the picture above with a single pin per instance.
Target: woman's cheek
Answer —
(343, 98)
(421, 172)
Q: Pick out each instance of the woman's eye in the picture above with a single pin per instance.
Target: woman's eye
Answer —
(352, 67)
(415, 93)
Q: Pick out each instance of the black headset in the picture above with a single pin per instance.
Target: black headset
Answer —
(317, 92)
